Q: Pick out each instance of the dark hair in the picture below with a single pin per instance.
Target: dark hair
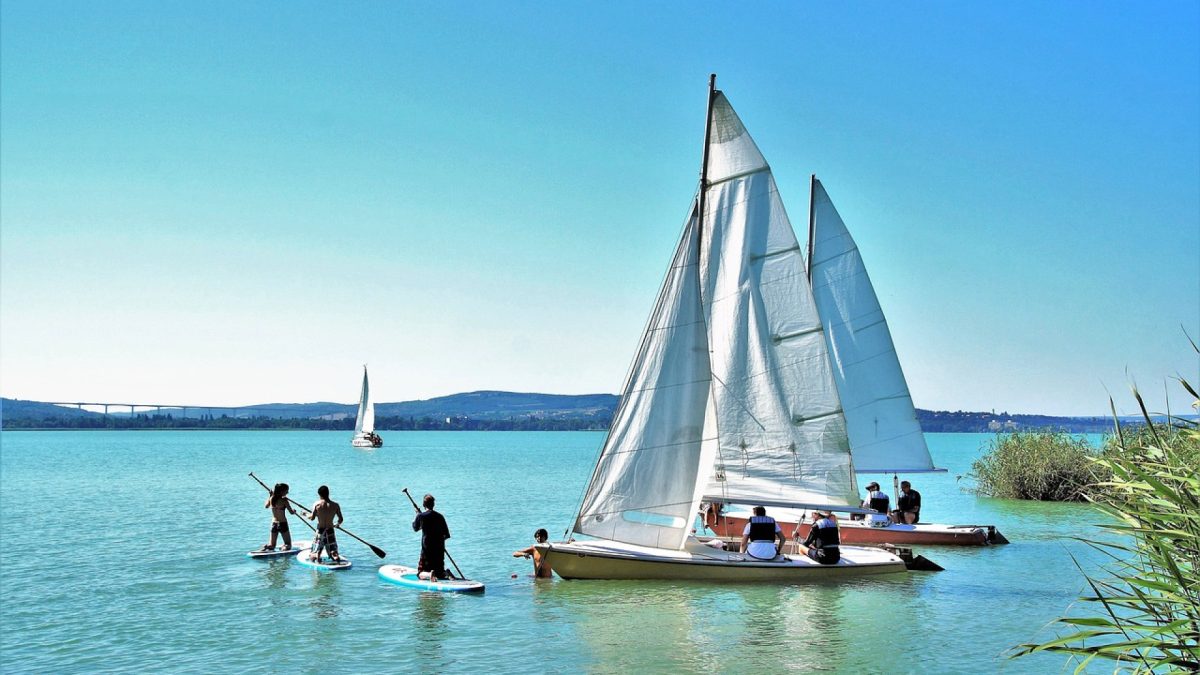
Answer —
(279, 491)
(760, 511)
(541, 534)
(323, 492)
(428, 501)
(905, 484)
(872, 485)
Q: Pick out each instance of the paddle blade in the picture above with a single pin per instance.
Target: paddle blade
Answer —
(378, 551)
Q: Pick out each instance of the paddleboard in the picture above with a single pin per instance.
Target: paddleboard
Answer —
(407, 576)
(277, 553)
(305, 558)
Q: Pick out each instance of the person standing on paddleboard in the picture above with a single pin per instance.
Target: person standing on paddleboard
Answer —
(279, 506)
(434, 533)
(324, 511)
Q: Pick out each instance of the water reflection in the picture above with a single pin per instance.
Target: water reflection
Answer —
(326, 595)
(429, 627)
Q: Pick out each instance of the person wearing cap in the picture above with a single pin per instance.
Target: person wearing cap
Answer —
(822, 543)
(758, 539)
(877, 500)
(908, 505)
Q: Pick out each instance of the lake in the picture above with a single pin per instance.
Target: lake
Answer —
(126, 551)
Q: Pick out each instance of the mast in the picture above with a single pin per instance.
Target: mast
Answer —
(712, 95)
(812, 223)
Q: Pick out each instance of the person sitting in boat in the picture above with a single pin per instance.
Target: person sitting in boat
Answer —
(908, 505)
(877, 500)
(540, 569)
(822, 543)
(758, 539)
(434, 533)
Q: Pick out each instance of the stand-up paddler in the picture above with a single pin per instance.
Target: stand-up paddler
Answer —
(434, 533)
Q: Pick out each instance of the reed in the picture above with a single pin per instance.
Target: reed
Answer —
(1147, 603)
(1041, 465)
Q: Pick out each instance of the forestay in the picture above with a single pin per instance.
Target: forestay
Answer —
(782, 435)
(882, 425)
(643, 488)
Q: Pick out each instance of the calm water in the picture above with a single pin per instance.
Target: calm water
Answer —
(126, 551)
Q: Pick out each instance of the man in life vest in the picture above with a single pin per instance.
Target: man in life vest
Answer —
(877, 500)
(758, 539)
(823, 542)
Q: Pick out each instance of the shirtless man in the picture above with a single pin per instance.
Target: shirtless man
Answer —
(540, 569)
(324, 511)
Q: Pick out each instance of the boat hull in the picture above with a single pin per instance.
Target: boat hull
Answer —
(858, 532)
(365, 441)
(584, 561)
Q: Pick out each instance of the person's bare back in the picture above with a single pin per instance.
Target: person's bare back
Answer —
(324, 511)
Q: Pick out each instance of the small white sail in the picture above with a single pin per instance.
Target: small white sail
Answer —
(643, 488)
(781, 429)
(885, 436)
(365, 421)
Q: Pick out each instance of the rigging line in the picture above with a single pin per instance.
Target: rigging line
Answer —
(664, 446)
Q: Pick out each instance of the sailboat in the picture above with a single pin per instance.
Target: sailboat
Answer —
(881, 422)
(731, 377)
(364, 423)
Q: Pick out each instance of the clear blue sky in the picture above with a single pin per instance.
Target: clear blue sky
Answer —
(234, 203)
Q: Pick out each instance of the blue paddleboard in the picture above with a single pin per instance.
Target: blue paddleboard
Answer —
(305, 558)
(277, 553)
(407, 576)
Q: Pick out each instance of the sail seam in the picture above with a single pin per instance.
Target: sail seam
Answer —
(780, 338)
(742, 174)
(764, 256)
(797, 421)
(655, 447)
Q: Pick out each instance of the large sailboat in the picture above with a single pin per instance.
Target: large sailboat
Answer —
(881, 422)
(364, 423)
(732, 378)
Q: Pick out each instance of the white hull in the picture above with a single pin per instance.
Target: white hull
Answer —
(365, 441)
(613, 560)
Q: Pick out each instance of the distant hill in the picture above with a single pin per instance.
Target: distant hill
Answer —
(484, 410)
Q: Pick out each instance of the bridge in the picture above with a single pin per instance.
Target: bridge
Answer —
(158, 408)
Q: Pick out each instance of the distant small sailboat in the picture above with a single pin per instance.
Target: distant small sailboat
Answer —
(364, 424)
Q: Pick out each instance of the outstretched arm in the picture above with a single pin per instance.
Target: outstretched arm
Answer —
(523, 553)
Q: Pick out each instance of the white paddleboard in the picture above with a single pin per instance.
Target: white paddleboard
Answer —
(407, 576)
(305, 557)
(277, 553)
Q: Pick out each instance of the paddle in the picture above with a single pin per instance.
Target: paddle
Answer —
(418, 510)
(374, 549)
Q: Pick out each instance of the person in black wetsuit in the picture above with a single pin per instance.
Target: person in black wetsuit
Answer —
(908, 505)
(434, 533)
(822, 543)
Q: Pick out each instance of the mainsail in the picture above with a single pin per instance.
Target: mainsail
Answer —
(781, 429)
(885, 436)
(642, 490)
(365, 421)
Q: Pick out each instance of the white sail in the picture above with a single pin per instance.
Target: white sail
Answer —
(643, 488)
(365, 421)
(882, 425)
(780, 424)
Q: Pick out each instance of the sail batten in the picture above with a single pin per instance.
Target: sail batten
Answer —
(882, 425)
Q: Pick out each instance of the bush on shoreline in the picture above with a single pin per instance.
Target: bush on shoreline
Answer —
(1039, 465)
(1147, 606)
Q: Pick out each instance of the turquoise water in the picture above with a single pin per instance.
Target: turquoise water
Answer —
(125, 551)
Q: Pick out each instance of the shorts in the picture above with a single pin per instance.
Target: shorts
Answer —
(280, 528)
(325, 539)
(825, 556)
(432, 562)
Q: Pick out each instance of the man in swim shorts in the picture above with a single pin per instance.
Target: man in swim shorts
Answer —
(324, 511)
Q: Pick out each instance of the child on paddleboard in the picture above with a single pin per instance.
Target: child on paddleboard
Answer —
(279, 506)
(324, 510)
(540, 569)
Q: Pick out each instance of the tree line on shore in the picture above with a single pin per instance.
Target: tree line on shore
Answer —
(224, 422)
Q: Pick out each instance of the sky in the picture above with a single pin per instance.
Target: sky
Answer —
(235, 203)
